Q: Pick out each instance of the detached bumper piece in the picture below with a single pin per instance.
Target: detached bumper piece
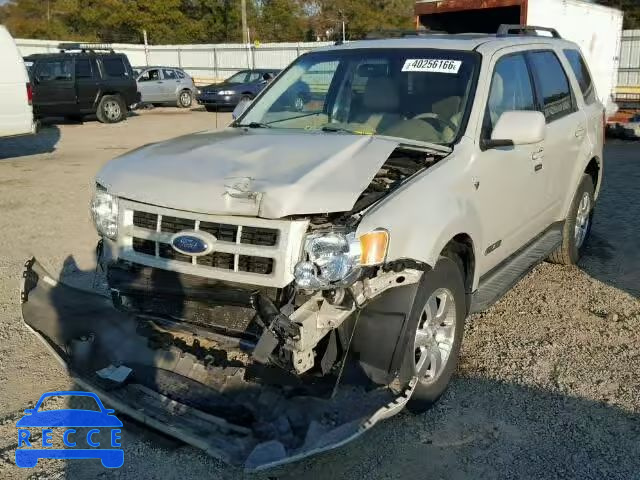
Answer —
(205, 390)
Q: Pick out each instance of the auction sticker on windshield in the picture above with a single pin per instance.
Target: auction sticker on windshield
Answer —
(435, 65)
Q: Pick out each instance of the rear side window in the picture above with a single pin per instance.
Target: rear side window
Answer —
(60, 69)
(115, 67)
(511, 89)
(180, 73)
(169, 74)
(581, 71)
(553, 85)
(83, 68)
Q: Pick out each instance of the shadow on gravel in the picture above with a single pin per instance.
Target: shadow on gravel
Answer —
(489, 429)
(612, 255)
(43, 142)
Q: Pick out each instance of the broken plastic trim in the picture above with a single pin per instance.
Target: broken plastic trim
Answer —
(57, 314)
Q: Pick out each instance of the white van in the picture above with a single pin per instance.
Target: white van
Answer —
(16, 112)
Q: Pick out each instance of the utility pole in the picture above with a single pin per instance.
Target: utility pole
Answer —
(245, 32)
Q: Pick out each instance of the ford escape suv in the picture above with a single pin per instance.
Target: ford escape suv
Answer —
(278, 287)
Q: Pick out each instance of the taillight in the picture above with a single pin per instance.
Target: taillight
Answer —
(29, 94)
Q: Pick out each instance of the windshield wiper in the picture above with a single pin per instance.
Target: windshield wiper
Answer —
(294, 117)
(332, 128)
(253, 125)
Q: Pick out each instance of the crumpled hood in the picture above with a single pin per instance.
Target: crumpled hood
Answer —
(266, 173)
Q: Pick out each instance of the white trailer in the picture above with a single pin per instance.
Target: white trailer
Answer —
(595, 28)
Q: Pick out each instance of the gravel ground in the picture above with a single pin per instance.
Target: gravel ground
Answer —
(548, 385)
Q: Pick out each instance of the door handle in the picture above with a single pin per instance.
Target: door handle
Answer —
(580, 132)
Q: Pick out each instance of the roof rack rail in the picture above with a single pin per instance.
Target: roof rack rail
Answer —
(380, 34)
(86, 47)
(506, 30)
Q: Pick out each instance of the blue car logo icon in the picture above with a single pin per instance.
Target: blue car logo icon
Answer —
(45, 421)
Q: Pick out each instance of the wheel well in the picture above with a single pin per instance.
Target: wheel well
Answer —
(593, 170)
(461, 246)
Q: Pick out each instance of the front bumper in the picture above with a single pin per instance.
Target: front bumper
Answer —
(244, 416)
(219, 100)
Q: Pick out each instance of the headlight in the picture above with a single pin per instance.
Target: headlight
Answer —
(104, 211)
(226, 92)
(334, 258)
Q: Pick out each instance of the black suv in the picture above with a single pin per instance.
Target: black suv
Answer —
(82, 80)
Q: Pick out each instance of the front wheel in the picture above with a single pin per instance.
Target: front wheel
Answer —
(437, 324)
(185, 98)
(577, 226)
(111, 109)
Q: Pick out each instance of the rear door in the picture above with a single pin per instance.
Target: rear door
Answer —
(87, 83)
(566, 136)
(150, 85)
(54, 87)
(170, 86)
(593, 109)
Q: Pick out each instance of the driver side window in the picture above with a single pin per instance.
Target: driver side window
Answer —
(511, 89)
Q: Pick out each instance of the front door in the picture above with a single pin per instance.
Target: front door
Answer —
(54, 90)
(150, 85)
(510, 180)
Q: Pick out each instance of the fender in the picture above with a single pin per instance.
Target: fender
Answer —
(443, 204)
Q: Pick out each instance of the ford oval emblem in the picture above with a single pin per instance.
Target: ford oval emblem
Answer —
(193, 243)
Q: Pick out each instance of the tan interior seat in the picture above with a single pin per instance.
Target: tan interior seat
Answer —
(380, 105)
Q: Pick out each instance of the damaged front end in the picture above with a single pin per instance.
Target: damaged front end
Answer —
(232, 352)
(207, 388)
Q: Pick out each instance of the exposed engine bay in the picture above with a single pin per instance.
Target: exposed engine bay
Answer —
(256, 376)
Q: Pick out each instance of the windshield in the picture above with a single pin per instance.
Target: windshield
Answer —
(417, 94)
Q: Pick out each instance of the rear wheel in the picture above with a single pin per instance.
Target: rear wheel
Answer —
(577, 226)
(437, 322)
(185, 98)
(111, 109)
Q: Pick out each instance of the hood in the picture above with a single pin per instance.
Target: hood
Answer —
(226, 86)
(266, 173)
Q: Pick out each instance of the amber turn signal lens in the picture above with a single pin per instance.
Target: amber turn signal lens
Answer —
(374, 247)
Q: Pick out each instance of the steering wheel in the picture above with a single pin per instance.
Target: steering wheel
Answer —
(437, 118)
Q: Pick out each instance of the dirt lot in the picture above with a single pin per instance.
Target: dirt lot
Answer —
(548, 387)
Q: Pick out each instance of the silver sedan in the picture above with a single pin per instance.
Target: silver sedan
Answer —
(165, 85)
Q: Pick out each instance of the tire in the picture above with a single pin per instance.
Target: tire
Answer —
(185, 99)
(444, 283)
(574, 237)
(246, 97)
(111, 109)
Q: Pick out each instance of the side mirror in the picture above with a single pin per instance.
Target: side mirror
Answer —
(240, 108)
(517, 128)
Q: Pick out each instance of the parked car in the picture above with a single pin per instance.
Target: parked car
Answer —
(244, 85)
(81, 80)
(16, 114)
(334, 252)
(165, 85)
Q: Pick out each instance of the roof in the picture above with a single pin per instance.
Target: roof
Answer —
(75, 54)
(444, 41)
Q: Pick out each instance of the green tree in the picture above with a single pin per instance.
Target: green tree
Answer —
(281, 21)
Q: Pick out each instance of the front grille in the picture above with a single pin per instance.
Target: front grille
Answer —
(233, 234)
(247, 250)
(267, 237)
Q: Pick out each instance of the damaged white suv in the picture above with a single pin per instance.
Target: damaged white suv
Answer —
(282, 285)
